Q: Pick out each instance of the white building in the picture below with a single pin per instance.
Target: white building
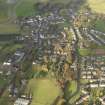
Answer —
(21, 101)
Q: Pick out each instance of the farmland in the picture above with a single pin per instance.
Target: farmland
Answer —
(9, 28)
(97, 5)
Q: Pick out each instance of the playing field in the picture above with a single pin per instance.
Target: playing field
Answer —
(44, 91)
(97, 5)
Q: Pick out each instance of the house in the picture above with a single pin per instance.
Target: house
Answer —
(82, 99)
(102, 99)
(15, 58)
(21, 101)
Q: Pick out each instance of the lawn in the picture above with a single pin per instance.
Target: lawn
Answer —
(25, 8)
(11, 48)
(71, 88)
(99, 25)
(6, 10)
(0, 47)
(9, 28)
(3, 10)
(86, 52)
(7, 15)
(44, 91)
(97, 5)
(2, 82)
(84, 81)
(5, 100)
(74, 98)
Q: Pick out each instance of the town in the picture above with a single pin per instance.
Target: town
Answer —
(57, 57)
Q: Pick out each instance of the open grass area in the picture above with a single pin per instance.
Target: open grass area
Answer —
(97, 5)
(11, 48)
(5, 100)
(2, 82)
(86, 52)
(3, 10)
(7, 15)
(27, 7)
(9, 29)
(99, 25)
(71, 88)
(84, 81)
(24, 7)
(74, 98)
(44, 91)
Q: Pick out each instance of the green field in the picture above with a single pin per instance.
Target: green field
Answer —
(3, 10)
(71, 88)
(99, 25)
(2, 82)
(7, 15)
(44, 91)
(9, 28)
(86, 52)
(10, 48)
(74, 98)
(97, 5)
(23, 7)
(5, 100)
(27, 8)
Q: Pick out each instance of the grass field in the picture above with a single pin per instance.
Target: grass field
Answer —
(71, 88)
(9, 29)
(99, 25)
(5, 100)
(86, 52)
(26, 7)
(97, 5)
(2, 82)
(74, 98)
(7, 14)
(3, 10)
(44, 91)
